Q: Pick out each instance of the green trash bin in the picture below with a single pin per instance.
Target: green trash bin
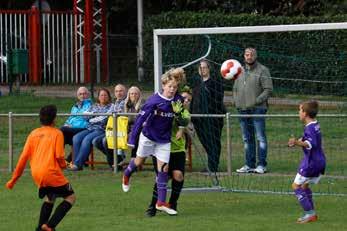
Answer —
(18, 61)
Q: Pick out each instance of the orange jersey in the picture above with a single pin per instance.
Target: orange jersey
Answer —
(44, 149)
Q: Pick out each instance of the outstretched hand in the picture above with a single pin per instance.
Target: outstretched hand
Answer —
(291, 142)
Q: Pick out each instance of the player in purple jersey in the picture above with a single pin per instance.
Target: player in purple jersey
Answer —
(153, 125)
(312, 165)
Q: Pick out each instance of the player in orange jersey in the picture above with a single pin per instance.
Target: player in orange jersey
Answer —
(44, 148)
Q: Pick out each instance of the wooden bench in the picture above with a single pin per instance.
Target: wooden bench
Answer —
(91, 161)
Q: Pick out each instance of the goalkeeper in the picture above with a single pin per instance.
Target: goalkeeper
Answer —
(177, 155)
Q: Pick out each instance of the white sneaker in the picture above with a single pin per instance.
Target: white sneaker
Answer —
(307, 218)
(125, 184)
(245, 169)
(260, 169)
(165, 208)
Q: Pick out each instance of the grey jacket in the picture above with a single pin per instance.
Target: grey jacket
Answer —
(253, 88)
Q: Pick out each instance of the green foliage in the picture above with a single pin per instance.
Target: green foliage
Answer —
(312, 56)
(186, 19)
(268, 7)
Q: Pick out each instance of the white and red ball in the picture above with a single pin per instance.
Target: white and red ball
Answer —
(231, 69)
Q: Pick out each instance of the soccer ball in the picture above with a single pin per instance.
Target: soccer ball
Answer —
(231, 69)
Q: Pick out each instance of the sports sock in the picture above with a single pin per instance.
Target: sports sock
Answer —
(162, 186)
(154, 196)
(46, 210)
(308, 192)
(303, 199)
(59, 213)
(176, 187)
(131, 168)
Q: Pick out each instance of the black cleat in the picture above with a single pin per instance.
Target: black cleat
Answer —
(151, 211)
(173, 206)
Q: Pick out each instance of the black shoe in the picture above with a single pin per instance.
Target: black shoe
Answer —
(69, 157)
(151, 211)
(173, 206)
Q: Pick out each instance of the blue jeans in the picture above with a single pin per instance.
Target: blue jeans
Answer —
(69, 132)
(100, 143)
(82, 143)
(253, 129)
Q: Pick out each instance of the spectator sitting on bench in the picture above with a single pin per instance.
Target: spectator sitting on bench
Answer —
(133, 104)
(75, 124)
(82, 141)
(99, 142)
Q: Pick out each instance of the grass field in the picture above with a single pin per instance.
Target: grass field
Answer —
(101, 205)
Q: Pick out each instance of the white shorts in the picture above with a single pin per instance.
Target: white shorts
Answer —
(148, 147)
(300, 180)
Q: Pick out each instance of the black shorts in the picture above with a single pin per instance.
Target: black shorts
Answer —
(177, 161)
(53, 192)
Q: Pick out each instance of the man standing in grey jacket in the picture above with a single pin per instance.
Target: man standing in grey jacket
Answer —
(251, 92)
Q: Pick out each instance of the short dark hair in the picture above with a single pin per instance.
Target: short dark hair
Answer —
(48, 114)
(311, 108)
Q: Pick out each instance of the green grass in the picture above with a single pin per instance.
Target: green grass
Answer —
(25, 103)
(101, 205)
(28, 103)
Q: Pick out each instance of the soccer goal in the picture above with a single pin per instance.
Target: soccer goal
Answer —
(305, 61)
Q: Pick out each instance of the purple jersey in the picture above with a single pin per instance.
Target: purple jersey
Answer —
(313, 162)
(155, 119)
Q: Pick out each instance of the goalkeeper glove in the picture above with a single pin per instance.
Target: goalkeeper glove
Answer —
(177, 106)
(183, 118)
